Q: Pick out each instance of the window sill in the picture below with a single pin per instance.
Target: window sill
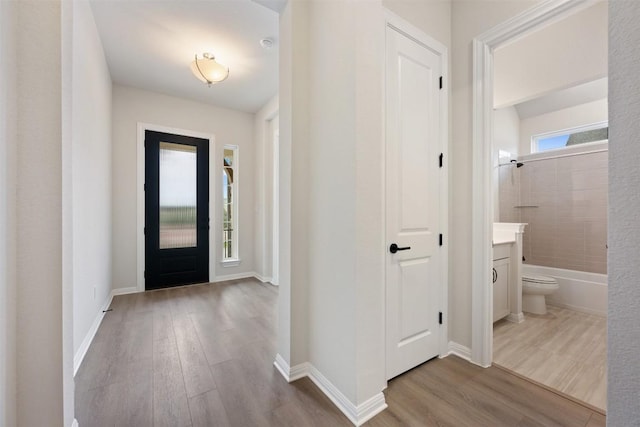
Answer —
(230, 262)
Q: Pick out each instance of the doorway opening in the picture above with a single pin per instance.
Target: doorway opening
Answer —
(561, 217)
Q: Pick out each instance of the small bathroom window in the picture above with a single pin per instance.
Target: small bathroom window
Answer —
(569, 137)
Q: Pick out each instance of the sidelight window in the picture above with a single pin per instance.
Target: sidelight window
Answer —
(230, 204)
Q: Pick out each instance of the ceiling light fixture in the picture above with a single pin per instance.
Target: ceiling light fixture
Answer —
(208, 70)
(266, 43)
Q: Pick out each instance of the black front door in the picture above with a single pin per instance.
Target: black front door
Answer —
(176, 210)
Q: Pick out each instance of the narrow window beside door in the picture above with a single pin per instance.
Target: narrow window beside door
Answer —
(230, 204)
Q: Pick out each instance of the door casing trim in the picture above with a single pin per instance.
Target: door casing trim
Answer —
(140, 177)
(484, 45)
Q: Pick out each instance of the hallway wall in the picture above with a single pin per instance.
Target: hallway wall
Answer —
(131, 106)
(470, 19)
(8, 147)
(90, 174)
(263, 190)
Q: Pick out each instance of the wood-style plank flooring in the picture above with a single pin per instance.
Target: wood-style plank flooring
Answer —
(203, 356)
(564, 349)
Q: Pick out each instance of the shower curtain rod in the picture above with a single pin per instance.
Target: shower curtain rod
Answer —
(600, 150)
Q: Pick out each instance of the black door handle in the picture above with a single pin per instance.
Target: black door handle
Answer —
(495, 275)
(394, 248)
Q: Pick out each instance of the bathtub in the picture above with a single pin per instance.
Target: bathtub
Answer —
(579, 290)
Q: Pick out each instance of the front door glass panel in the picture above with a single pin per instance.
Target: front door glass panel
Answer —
(178, 196)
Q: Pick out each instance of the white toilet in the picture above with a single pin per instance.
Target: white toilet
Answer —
(534, 290)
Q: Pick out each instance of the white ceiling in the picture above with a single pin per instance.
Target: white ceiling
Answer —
(580, 94)
(150, 44)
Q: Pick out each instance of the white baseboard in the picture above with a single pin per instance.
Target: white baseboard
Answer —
(460, 350)
(263, 279)
(291, 373)
(516, 317)
(124, 291)
(88, 339)
(358, 415)
(235, 276)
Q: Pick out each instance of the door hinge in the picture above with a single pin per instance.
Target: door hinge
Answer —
(440, 82)
(440, 318)
(440, 239)
(441, 159)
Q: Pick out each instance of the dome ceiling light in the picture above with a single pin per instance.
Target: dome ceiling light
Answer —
(208, 70)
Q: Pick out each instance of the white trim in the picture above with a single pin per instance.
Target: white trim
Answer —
(459, 350)
(399, 24)
(235, 276)
(482, 204)
(262, 278)
(91, 333)
(140, 169)
(359, 414)
(125, 291)
(74, 423)
(574, 150)
(576, 129)
(291, 374)
(515, 317)
(275, 201)
(231, 262)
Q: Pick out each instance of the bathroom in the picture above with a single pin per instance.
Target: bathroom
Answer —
(550, 172)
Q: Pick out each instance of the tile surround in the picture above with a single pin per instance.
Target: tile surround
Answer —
(568, 228)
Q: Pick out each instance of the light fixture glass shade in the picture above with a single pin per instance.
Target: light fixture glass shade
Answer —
(208, 70)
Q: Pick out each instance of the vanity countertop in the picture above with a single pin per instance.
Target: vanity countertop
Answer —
(503, 240)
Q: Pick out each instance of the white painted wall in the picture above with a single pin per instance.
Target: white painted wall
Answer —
(506, 136)
(573, 50)
(294, 128)
(580, 115)
(131, 106)
(336, 192)
(469, 19)
(331, 231)
(91, 174)
(623, 346)
(431, 16)
(263, 228)
(8, 147)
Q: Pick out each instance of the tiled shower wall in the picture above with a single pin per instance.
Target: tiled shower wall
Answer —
(564, 201)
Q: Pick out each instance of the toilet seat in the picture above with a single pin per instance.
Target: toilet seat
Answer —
(541, 285)
(543, 280)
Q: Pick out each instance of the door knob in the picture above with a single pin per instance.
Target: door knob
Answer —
(394, 248)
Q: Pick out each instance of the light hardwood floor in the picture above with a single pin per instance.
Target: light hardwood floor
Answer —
(203, 356)
(564, 349)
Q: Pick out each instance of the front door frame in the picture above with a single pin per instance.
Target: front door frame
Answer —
(409, 30)
(140, 161)
(484, 45)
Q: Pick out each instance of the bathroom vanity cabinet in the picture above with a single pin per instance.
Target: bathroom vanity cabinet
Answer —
(507, 271)
(501, 281)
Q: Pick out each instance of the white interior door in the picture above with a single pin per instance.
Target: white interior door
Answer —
(413, 179)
